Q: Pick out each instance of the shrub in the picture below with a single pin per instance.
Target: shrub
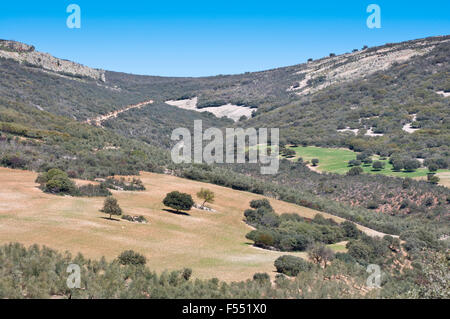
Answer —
(262, 238)
(398, 165)
(359, 250)
(354, 163)
(258, 203)
(377, 165)
(56, 181)
(134, 184)
(354, 171)
(291, 265)
(372, 204)
(345, 257)
(13, 161)
(261, 278)
(433, 167)
(91, 190)
(137, 219)
(187, 273)
(350, 229)
(433, 179)
(129, 257)
(411, 165)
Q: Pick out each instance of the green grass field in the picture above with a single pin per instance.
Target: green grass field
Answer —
(335, 160)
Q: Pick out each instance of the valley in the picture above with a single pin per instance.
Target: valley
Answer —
(364, 143)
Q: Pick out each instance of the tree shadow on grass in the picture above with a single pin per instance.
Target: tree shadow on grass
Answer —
(111, 219)
(175, 212)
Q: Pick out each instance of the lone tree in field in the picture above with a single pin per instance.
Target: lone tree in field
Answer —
(315, 161)
(178, 201)
(111, 207)
(206, 195)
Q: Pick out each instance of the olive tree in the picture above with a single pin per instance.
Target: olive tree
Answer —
(111, 207)
(206, 195)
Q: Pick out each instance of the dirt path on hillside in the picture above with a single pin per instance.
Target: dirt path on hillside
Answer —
(99, 119)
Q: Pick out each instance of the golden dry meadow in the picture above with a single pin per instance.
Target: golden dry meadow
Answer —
(213, 244)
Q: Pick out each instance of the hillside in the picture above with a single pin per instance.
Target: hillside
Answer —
(41, 111)
(168, 240)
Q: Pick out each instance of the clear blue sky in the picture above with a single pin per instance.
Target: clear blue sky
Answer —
(196, 38)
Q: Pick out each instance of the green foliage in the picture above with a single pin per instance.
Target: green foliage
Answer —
(56, 181)
(377, 165)
(111, 207)
(319, 253)
(290, 232)
(178, 201)
(359, 250)
(291, 265)
(262, 278)
(130, 184)
(261, 203)
(207, 196)
(434, 279)
(410, 165)
(40, 272)
(354, 171)
(350, 229)
(418, 239)
(13, 161)
(130, 257)
(37, 272)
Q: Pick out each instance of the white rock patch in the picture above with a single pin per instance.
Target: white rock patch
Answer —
(444, 94)
(408, 128)
(231, 111)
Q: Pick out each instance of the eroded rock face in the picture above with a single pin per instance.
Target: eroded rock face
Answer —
(25, 53)
(347, 67)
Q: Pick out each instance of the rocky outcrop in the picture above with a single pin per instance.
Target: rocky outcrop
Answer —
(347, 67)
(26, 54)
(208, 209)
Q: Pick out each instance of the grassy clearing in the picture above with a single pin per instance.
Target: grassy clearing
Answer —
(212, 244)
(335, 160)
(444, 178)
(339, 247)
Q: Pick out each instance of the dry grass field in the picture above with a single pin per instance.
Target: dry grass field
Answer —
(213, 244)
(444, 178)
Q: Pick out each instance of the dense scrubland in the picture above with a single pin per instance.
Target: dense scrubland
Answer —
(40, 272)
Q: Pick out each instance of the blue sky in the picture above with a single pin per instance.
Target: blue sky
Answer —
(197, 38)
